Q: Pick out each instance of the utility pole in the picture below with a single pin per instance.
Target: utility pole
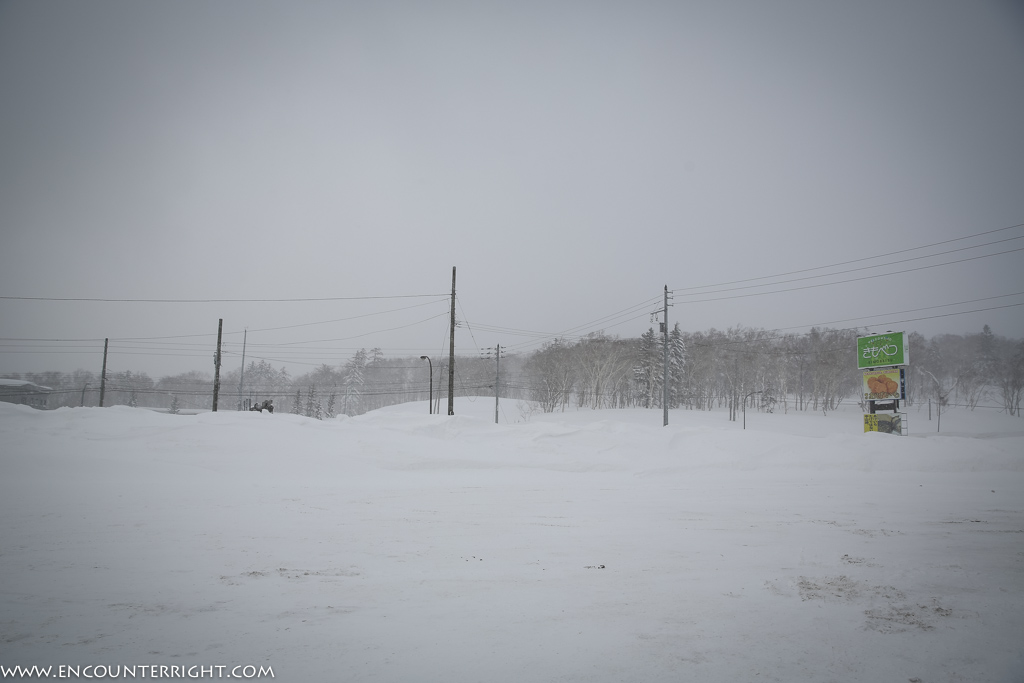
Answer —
(216, 365)
(103, 377)
(664, 383)
(241, 377)
(664, 368)
(451, 354)
(497, 376)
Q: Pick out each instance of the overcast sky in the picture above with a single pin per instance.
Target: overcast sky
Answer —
(570, 158)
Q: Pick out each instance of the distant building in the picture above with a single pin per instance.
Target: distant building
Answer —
(24, 392)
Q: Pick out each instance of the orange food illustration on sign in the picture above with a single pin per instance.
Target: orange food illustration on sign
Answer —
(882, 385)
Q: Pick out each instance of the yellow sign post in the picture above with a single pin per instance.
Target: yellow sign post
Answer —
(884, 423)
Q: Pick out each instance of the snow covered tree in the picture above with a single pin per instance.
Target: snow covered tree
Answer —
(702, 372)
(355, 379)
(676, 367)
(376, 386)
(602, 366)
(988, 354)
(834, 371)
(310, 397)
(549, 375)
(916, 379)
(126, 387)
(647, 370)
(1011, 378)
(192, 389)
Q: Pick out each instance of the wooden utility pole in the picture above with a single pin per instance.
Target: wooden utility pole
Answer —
(103, 377)
(497, 378)
(241, 377)
(665, 378)
(451, 354)
(216, 365)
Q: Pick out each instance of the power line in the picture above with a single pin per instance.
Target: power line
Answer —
(468, 327)
(216, 301)
(617, 317)
(913, 310)
(856, 279)
(879, 265)
(365, 334)
(338, 320)
(47, 339)
(859, 260)
(539, 337)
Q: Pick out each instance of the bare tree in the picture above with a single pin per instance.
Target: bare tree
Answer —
(550, 376)
(1011, 378)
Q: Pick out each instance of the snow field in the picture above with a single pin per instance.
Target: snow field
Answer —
(591, 545)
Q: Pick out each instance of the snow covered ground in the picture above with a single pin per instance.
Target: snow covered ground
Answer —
(586, 546)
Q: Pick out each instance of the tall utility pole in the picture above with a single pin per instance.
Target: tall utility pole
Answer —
(451, 354)
(103, 377)
(241, 377)
(216, 365)
(665, 377)
(497, 376)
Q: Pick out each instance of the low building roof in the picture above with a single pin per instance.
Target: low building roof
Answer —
(21, 383)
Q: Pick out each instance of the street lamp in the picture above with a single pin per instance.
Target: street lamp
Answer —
(752, 393)
(430, 406)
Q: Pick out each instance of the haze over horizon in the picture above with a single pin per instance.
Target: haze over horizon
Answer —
(776, 165)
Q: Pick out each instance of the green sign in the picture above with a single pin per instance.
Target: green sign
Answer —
(880, 350)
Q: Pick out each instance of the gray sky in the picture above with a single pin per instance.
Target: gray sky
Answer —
(570, 158)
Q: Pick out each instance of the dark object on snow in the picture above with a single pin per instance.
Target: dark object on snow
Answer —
(267, 405)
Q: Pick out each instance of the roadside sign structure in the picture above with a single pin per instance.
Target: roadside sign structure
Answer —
(883, 359)
(882, 422)
(884, 384)
(883, 350)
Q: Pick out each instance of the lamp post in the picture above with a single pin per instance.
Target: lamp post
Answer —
(82, 403)
(752, 393)
(430, 405)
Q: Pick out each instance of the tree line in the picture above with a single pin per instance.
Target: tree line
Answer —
(749, 367)
(736, 368)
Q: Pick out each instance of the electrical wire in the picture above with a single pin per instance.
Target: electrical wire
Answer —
(466, 320)
(856, 279)
(880, 265)
(216, 301)
(297, 350)
(858, 260)
(338, 320)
